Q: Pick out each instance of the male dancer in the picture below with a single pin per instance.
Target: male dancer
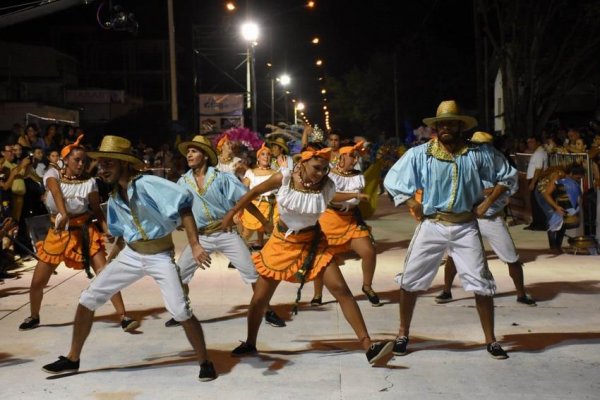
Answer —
(214, 194)
(144, 210)
(450, 173)
(493, 228)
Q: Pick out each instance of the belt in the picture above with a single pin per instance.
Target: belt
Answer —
(493, 216)
(452, 218)
(153, 246)
(282, 227)
(212, 227)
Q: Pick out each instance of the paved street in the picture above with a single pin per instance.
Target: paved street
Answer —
(553, 348)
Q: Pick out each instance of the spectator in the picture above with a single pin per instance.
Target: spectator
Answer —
(537, 164)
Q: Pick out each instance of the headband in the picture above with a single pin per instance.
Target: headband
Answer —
(68, 148)
(310, 153)
(222, 141)
(351, 149)
(262, 148)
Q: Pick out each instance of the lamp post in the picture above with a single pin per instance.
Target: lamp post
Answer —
(298, 106)
(284, 80)
(250, 34)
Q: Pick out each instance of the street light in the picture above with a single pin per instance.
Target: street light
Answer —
(284, 80)
(250, 34)
(298, 106)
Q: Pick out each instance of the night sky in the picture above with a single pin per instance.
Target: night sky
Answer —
(351, 32)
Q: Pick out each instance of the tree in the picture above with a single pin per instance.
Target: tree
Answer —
(544, 48)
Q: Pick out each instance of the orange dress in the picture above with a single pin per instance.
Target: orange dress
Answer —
(67, 246)
(342, 222)
(297, 251)
(266, 204)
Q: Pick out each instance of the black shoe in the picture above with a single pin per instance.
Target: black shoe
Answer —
(316, 301)
(372, 296)
(171, 323)
(29, 323)
(379, 350)
(400, 344)
(62, 365)
(207, 372)
(527, 300)
(496, 351)
(244, 349)
(443, 297)
(129, 324)
(273, 319)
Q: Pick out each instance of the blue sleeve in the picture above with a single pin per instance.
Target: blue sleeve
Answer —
(168, 198)
(231, 187)
(114, 227)
(403, 179)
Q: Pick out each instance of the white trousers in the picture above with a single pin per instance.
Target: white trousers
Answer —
(231, 245)
(130, 266)
(462, 242)
(496, 232)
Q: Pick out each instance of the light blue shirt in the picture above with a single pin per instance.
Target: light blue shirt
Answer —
(154, 212)
(218, 195)
(502, 200)
(450, 183)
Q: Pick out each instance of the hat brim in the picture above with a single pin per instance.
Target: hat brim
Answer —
(469, 121)
(212, 155)
(283, 146)
(136, 162)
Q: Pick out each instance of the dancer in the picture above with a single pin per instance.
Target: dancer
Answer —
(493, 228)
(215, 193)
(266, 203)
(343, 224)
(144, 210)
(297, 250)
(227, 161)
(73, 201)
(281, 153)
(450, 174)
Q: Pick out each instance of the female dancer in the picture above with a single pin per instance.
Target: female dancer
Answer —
(73, 202)
(343, 225)
(266, 203)
(297, 250)
(228, 162)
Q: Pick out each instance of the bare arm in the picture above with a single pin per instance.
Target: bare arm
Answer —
(270, 184)
(54, 188)
(481, 209)
(306, 132)
(548, 197)
(340, 197)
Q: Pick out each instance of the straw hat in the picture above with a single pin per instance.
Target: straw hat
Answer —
(449, 111)
(204, 144)
(118, 148)
(482, 137)
(279, 142)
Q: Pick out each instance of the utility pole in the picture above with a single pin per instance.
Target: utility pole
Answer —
(172, 63)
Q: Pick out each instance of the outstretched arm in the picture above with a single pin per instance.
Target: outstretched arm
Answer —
(270, 184)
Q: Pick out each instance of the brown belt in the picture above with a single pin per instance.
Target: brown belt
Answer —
(153, 246)
(452, 218)
(281, 227)
(210, 228)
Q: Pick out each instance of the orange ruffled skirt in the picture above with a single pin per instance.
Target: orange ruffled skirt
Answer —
(282, 257)
(340, 227)
(65, 246)
(251, 223)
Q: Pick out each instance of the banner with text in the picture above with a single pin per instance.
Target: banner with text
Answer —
(220, 111)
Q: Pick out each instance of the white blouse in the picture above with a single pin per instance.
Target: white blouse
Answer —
(348, 184)
(75, 193)
(256, 180)
(298, 209)
(230, 166)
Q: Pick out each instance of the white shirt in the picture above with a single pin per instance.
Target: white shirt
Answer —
(299, 209)
(75, 194)
(256, 180)
(538, 160)
(348, 184)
